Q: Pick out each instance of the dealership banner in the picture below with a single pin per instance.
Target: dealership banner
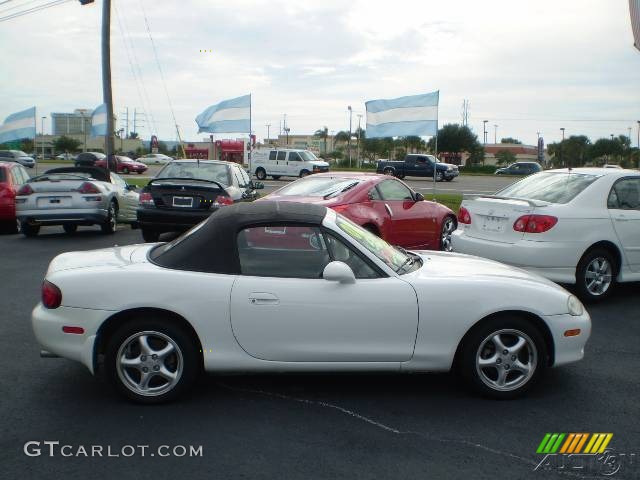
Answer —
(19, 125)
(228, 116)
(415, 115)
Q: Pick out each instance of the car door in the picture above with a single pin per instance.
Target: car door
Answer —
(127, 199)
(624, 209)
(410, 224)
(283, 310)
(280, 165)
(294, 164)
(421, 167)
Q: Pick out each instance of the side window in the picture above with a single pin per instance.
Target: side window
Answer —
(282, 155)
(24, 176)
(625, 195)
(421, 161)
(272, 155)
(374, 194)
(15, 176)
(394, 190)
(287, 251)
(294, 157)
(342, 253)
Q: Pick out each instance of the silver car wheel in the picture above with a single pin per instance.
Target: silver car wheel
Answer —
(506, 360)
(598, 276)
(448, 227)
(149, 363)
(113, 220)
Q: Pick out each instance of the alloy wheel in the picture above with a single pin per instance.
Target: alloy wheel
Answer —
(448, 227)
(598, 276)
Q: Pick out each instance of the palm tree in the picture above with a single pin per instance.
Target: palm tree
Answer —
(323, 134)
(341, 136)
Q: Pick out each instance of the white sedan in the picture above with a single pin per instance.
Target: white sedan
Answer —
(289, 287)
(155, 159)
(578, 226)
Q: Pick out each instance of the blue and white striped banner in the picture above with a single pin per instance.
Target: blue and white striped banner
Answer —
(416, 115)
(634, 9)
(19, 125)
(99, 121)
(230, 116)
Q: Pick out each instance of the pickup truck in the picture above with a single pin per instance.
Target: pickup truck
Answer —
(418, 165)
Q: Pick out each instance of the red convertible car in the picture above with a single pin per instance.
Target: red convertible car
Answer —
(384, 205)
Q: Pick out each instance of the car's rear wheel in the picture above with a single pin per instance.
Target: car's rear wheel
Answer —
(151, 360)
(110, 225)
(275, 177)
(261, 174)
(29, 230)
(150, 236)
(125, 170)
(596, 275)
(70, 228)
(388, 171)
(503, 357)
(448, 227)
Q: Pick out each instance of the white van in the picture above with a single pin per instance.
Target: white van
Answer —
(285, 162)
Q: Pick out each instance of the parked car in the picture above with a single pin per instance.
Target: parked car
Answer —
(285, 162)
(17, 156)
(67, 157)
(611, 166)
(418, 165)
(123, 165)
(88, 159)
(520, 168)
(185, 192)
(385, 206)
(328, 295)
(12, 176)
(578, 226)
(155, 158)
(74, 196)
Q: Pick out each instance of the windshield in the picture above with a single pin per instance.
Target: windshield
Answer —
(216, 172)
(319, 187)
(553, 187)
(308, 156)
(395, 258)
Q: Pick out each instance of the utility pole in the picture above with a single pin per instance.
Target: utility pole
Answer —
(268, 125)
(495, 134)
(125, 121)
(359, 137)
(561, 146)
(349, 142)
(107, 96)
(42, 131)
(484, 129)
(465, 112)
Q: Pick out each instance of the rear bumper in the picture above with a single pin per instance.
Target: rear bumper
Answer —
(556, 261)
(165, 220)
(74, 216)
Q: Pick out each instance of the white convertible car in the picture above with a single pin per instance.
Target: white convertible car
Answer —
(287, 287)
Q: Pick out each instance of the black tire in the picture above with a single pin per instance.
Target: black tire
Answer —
(261, 174)
(29, 230)
(183, 361)
(304, 173)
(70, 228)
(480, 379)
(449, 179)
(110, 225)
(389, 171)
(125, 171)
(275, 177)
(587, 290)
(439, 176)
(150, 236)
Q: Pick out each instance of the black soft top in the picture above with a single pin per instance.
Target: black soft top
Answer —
(98, 173)
(212, 247)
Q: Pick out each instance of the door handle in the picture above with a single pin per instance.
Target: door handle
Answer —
(389, 211)
(263, 298)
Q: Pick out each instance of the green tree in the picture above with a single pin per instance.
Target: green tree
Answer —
(341, 136)
(505, 157)
(65, 144)
(511, 140)
(134, 135)
(322, 134)
(574, 151)
(607, 150)
(27, 145)
(454, 138)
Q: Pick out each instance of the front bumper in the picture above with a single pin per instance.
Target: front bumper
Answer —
(568, 349)
(554, 260)
(90, 216)
(165, 220)
(47, 327)
(451, 173)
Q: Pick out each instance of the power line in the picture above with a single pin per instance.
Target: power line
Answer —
(33, 10)
(19, 5)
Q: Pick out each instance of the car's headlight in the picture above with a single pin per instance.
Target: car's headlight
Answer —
(449, 167)
(575, 306)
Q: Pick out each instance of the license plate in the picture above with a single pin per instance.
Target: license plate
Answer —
(54, 200)
(185, 202)
(493, 224)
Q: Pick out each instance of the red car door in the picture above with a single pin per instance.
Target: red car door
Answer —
(412, 224)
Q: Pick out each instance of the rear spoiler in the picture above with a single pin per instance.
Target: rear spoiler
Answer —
(532, 203)
(177, 180)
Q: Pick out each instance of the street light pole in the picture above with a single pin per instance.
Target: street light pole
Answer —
(495, 134)
(268, 125)
(359, 137)
(561, 146)
(349, 142)
(484, 129)
(42, 133)
(107, 96)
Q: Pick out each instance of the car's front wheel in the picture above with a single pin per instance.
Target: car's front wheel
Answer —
(439, 176)
(110, 225)
(503, 357)
(151, 361)
(261, 174)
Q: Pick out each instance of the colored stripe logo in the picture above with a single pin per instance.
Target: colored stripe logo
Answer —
(572, 443)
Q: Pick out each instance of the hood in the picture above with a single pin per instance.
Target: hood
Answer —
(108, 257)
(319, 163)
(446, 166)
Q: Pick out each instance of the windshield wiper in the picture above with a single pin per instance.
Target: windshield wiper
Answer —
(348, 187)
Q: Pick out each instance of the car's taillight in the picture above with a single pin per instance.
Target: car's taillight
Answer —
(88, 188)
(223, 200)
(51, 295)
(146, 198)
(25, 190)
(464, 216)
(534, 223)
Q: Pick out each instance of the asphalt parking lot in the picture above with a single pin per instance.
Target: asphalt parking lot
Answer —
(302, 426)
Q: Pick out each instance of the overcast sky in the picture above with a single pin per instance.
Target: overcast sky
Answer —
(525, 66)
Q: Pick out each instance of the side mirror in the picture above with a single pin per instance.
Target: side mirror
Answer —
(338, 272)
(418, 197)
(258, 185)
